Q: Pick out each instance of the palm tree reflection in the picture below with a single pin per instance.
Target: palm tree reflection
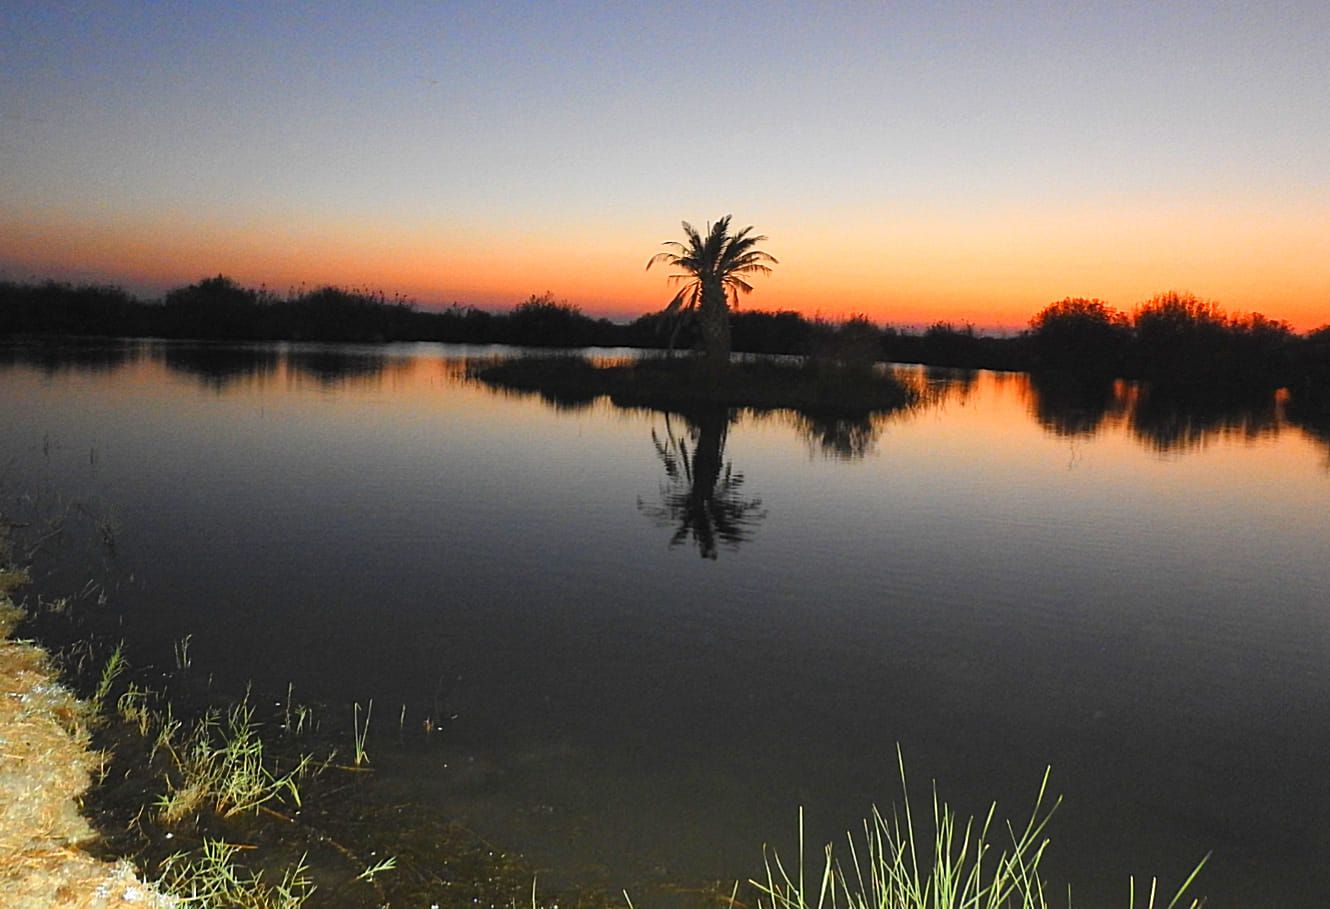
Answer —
(702, 496)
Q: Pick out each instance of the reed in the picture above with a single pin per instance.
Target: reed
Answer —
(116, 664)
(134, 708)
(181, 649)
(361, 732)
(225, 766)
(895, 865)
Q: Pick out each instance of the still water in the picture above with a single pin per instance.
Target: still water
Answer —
(646, 641)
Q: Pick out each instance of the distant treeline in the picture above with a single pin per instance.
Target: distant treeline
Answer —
(1173, 339)
(219, 309)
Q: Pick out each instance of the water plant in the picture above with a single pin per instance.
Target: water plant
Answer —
(115, 665)
(133, 708)
(212, 878)
(361, 757)
(296, 718)
(181, 649)
(379, 867)
(894, 866)
(224, 766)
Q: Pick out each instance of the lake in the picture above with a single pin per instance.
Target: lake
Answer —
(640, 666)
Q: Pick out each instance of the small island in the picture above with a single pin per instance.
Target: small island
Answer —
(687, 383)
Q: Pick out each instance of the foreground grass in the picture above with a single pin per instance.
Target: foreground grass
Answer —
(963, 865)
(213, 878)
(223, 766)
(688, 383)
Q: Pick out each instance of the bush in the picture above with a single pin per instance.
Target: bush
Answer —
(1184, 340)
(1081, 336)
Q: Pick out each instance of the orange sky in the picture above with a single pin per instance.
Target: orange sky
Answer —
(912, 161)
(994, 270)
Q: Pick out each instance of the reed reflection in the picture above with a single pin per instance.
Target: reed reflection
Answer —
(1314, 423)
(72, 355)
(942, 383)
(219, 366)
(846, 438)
(702, 497)
(332, 366)
(1308, 401)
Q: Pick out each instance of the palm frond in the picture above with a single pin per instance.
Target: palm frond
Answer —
(718, 259)
(739, 284)
(679, 302)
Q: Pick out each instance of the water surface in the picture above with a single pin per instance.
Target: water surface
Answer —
(647, 639)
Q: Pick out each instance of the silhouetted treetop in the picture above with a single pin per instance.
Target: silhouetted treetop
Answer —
(1080, 335)
(713, 269)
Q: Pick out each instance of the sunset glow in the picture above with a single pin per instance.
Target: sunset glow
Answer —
(916, 164)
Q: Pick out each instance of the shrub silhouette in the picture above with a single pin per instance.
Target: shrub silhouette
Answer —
(853, 345)
(215, 308)
(1184, 340)
(1082, 336)
(541, 321)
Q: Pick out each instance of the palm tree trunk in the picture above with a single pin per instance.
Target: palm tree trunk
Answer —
(714, 315)
(708, 458)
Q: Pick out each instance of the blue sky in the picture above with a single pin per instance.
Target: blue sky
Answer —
(972, 161)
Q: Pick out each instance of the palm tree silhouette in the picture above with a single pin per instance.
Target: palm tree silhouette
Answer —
(716, 268)
(702, 495)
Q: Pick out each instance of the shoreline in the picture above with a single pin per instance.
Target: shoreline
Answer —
(48, 766)
(69, 767)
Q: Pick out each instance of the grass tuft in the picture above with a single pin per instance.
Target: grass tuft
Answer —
(133, 708)
(895, 865)
(224, 766)
(214, 879)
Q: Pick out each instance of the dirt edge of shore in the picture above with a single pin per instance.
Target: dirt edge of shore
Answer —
(46, 765)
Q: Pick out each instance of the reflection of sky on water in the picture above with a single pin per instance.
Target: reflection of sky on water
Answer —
(989, 582)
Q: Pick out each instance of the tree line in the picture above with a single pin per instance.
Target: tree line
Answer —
(220, 309)
(1175, 338)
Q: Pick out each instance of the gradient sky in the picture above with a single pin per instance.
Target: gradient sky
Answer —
(912, 161)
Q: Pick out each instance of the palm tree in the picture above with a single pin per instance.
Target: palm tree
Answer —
(716, 268)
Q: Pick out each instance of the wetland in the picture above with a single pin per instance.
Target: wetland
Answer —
(628, 644)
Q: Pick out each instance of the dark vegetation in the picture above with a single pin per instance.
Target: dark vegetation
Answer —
(1175, 340)
(219, 309)
(685, 384)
